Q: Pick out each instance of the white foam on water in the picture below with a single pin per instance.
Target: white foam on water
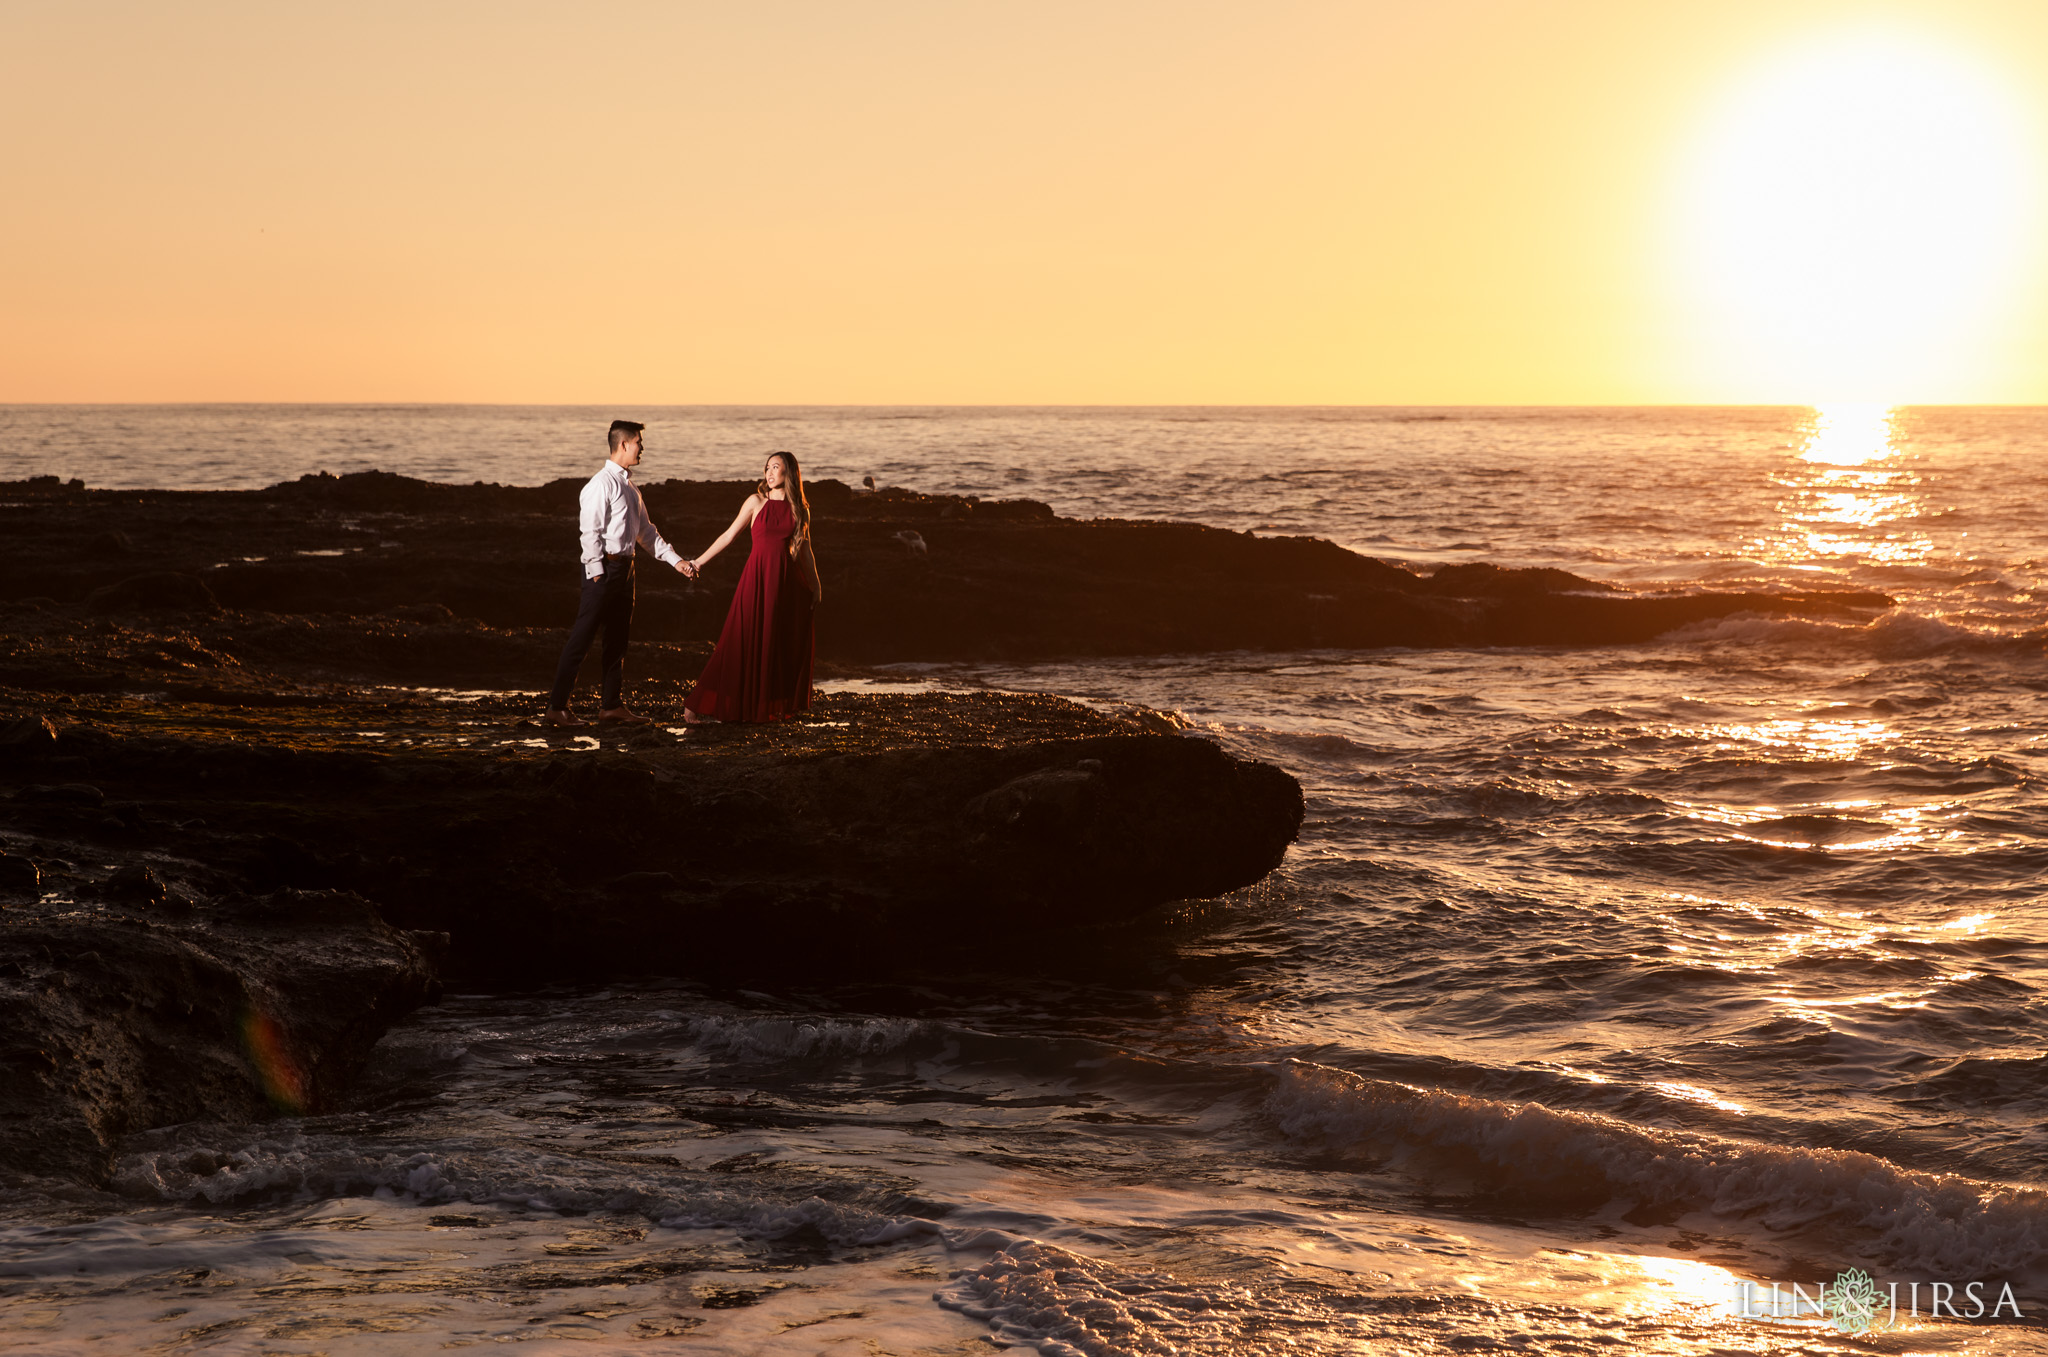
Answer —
(1894, 636)
(1394, 1285)
(566, 1249)
(1067, 1305)
(375, 1277)
(1919, 1224)
(309, 1167)
(744, 1037)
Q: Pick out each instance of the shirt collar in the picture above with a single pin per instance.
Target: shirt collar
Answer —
(615, 469)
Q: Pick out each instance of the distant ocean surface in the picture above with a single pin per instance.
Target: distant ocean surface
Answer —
(1599, 979)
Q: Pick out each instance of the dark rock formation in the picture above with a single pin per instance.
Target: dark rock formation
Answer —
(113, 1019)
(27, 735)
(439, 579)
(19, 875)
(161, 591)
(837, 859)
(887, 826)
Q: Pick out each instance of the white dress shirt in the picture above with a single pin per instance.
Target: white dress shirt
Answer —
(614, 518)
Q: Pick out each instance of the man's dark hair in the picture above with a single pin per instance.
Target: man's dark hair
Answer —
(622, 429)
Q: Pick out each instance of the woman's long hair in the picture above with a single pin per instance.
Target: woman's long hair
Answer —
(793, 490)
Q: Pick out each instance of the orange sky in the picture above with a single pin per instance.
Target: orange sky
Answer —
(1045, 202)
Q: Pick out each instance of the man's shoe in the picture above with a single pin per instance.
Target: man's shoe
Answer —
(622, 716)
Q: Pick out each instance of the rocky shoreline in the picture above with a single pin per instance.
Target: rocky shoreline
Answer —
(843, 839)
(138, 1007)
(445, 577)
(269, 768)
(199, 893)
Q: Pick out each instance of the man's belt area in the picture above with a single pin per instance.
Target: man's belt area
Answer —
(618, 555)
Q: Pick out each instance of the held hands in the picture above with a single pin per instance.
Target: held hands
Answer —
(687, 569)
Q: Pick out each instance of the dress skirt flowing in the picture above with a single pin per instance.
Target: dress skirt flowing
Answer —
(761, 670)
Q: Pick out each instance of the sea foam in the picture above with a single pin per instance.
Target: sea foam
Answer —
(1894, 636)
(1936, 1225)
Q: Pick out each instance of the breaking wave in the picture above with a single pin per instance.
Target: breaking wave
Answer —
(1894, 636)
(1937, 1224)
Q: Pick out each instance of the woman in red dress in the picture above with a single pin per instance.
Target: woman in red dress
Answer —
(761, 670)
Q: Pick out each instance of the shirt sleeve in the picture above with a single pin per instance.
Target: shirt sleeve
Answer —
(652, 540)
(592, 511)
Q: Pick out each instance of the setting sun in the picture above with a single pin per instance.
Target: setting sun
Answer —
(1854, 222)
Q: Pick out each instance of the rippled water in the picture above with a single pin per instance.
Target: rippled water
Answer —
(1598, 980)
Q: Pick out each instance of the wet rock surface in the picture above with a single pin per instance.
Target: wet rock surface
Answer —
(120, 1012)
(885, 824)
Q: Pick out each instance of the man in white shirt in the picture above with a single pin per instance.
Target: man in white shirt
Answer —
(613, 520)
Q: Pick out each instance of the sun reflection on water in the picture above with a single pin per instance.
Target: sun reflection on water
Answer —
(1849, 435)
(1822, 739)
(1851, 493)
(1694, 1093)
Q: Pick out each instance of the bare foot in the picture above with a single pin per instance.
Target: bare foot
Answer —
(562, 718)
(691, 718)
(622, 716)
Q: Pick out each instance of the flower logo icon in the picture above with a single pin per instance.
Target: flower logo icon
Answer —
(1852, 1301)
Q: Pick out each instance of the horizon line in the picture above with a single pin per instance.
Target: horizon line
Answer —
(1048, 405)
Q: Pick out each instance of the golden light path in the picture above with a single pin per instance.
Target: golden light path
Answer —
(1853, 493)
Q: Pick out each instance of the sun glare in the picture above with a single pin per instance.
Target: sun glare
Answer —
(1849, 435)
(1851, 495)
(1853, 224)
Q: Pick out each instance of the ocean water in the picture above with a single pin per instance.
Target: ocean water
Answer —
(1600, 981)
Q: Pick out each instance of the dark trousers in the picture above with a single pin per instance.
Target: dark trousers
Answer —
(606, 603)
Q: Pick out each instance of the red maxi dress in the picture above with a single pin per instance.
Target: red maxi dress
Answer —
(761, 670)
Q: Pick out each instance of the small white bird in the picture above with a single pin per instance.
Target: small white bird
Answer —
(913, 540)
